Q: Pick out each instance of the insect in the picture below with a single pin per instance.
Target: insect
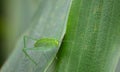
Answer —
(39, 43)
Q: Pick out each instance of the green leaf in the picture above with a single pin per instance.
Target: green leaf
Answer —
(91, 42)
(49, 21)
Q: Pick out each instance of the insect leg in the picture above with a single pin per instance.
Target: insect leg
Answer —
(25, 51)
(25, 47)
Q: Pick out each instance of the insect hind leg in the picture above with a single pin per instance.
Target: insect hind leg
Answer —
(25, 39)
(25, 52)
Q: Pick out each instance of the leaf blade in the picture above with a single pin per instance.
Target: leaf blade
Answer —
(92, 38)
(48, 22)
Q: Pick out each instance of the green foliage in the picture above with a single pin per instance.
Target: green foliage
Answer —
(90, 44)
(49, 21)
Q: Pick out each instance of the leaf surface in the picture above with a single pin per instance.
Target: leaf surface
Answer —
(91, 42)
(49, 21)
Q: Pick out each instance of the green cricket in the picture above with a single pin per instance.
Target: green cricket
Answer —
(42, 42)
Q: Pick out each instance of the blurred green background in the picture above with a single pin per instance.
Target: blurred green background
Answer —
(2, 32)
(14, 18)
